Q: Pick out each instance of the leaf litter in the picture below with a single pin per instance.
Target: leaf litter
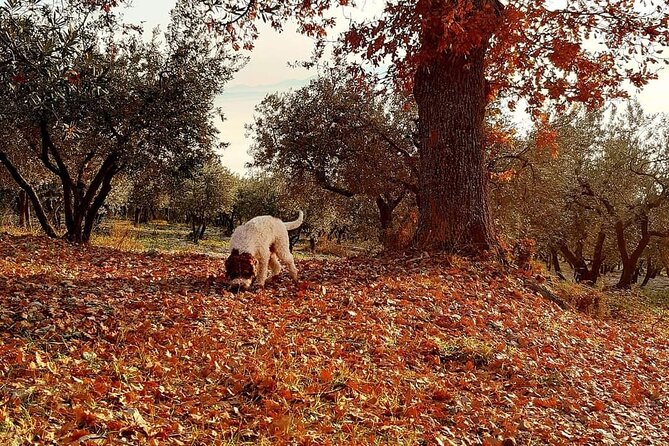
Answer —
(104, 347)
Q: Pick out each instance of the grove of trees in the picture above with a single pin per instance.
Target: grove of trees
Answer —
(404, 138)
(600, 199)
(456, 56)
(85, 98)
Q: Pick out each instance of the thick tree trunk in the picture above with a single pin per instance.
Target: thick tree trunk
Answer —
(454, 214)
(627, 276)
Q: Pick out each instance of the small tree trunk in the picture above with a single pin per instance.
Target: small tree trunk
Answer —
(630, 261)
(203, 227)
(24, 210)
(195, 230)
(385, 219)
(30, 192)
(556, 263)
(99, 200)
(649, 273)
(598, 257)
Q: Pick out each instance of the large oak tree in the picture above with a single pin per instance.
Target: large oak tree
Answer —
(457, 54)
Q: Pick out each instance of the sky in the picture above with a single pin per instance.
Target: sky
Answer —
(267, 72)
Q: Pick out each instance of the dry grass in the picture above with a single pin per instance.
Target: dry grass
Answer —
(121, 235)
(465, 349)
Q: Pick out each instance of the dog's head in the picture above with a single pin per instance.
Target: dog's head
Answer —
(240, 269)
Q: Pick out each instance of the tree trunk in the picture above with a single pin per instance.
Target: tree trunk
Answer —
(203, 227)
(136, 218)
(627, 276)
(556, 263)
(598, 257)
(454, 214)
(23, 184)
(581, 271)
(385, 213)
(649, 273)
(630, 261)
(386, 206)
(24, 210)
(99, 200)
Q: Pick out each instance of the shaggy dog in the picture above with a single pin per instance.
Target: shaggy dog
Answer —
(256, 248)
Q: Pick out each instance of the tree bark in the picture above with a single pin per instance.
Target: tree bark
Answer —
(24, 210)
(136, 219)
(454, 214)
(386, 206)
(650, 272)
(581, 271)
(556, 263)
(203, 227)
(630, 260)
(99, 200)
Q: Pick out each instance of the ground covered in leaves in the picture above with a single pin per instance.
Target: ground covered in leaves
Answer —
(103, 347)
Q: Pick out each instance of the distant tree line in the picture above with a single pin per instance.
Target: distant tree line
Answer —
(593, 192)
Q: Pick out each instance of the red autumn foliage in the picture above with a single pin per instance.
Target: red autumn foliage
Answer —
(581, 51)
(106, 345)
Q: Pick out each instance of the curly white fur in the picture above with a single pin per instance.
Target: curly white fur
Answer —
(266, 239)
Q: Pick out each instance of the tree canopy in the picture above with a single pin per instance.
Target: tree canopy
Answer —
(86, 98)
(454, 57)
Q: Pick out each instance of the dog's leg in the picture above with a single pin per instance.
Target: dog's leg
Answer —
(263, 260)
(284, 254)
(274, 265)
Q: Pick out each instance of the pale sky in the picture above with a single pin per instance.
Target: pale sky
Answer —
(268, 72)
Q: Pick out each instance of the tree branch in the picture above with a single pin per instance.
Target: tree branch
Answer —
(23, 184)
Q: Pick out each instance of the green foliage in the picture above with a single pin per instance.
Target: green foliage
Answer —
(599, 191)
(210, 191)
(340, 135)
(88, 98)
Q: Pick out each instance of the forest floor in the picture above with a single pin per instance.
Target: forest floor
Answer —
(104, 346)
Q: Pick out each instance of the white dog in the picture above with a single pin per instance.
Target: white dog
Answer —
(256, 248)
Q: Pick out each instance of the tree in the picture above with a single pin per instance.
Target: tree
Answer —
(636, 201)
(87, 99)
(207, 193)
(455, 55)
(337, 133)
(602, 196)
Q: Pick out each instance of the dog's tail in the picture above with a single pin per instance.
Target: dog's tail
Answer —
(290, 225)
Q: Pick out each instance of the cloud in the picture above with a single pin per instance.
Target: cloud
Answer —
(238, 103)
